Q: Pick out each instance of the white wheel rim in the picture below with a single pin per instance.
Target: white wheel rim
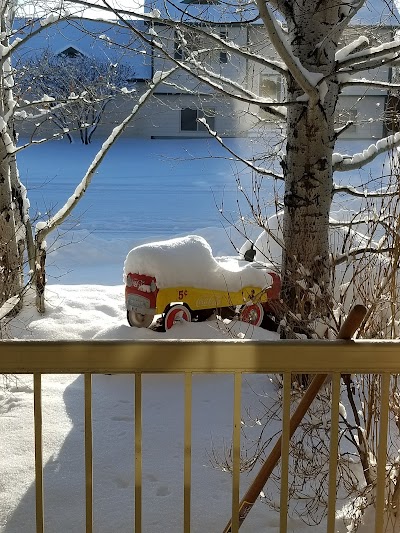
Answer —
(176, 314)
(252, 314)
(139, 320)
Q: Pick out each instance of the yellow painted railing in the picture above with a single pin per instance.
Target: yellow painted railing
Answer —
(189, 357)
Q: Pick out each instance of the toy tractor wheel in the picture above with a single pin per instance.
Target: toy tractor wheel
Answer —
(175, 314)
(252, 314)
(138, 320)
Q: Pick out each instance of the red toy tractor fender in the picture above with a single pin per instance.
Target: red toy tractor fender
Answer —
(275, 289)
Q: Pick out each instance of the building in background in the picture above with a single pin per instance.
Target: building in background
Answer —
(178, 104)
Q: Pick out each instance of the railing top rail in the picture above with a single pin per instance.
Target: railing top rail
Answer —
(170, 356)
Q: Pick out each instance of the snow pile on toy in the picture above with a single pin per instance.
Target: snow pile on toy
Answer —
(181, 280)
(189, 261)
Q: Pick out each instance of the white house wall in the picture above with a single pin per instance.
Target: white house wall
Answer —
(158, 118)
(369, 114)
(234, 69)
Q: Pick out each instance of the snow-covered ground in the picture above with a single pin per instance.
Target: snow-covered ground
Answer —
(144, 191)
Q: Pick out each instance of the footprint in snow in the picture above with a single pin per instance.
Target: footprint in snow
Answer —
(163, 491)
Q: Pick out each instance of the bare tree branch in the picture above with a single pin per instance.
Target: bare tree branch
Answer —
(384, 85)
(282, 47)
(46, 227)
(343, 163)
(277, 66)
(352, 191)
(259, 170)
(354, 252)
(340, 131)
(386, 50)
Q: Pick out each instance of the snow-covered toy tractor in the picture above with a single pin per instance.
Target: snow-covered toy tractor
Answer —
(181, 280)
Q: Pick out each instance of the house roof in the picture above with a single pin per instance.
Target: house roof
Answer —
(90, 38)
(373, 12)
(33, 9)
(83, 35)
(214, 11)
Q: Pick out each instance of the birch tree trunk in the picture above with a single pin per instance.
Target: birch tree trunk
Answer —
(11, 253)
(10, 260)
(307, 168)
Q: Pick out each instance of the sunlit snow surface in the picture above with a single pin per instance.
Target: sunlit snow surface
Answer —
(149, 190)
(188, 261)
(144, 191)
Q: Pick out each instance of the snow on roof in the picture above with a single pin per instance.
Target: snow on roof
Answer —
(373, 12)
(188, 261)
(215, 11)
(33, 9)
(92, 39)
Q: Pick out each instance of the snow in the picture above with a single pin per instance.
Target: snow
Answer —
(81, 36)
(189, 261)
(98, 312)
(342, 54)
(131, 201)
(313, 78)
(384, 50)
(368, 154)
(156, 13)
(33, 9)
(88, 311)
(50, 19)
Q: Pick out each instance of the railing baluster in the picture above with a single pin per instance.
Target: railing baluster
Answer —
(38, 358)
(37, 412)
(138, 452)
(333, 454)
(382, 447)
(237, 420)
(284, 497)
(188, 453)
(88, 453)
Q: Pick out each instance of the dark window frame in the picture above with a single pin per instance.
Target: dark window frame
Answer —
(189, 119)
(223, 55)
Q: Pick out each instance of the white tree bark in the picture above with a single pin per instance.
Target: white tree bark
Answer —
(11, 243)
(313, 33)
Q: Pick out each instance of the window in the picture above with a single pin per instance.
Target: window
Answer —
(270, 86)
(223, 55)
(189, 119)
(185, 43)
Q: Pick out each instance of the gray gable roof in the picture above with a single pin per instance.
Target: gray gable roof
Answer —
(90, 38)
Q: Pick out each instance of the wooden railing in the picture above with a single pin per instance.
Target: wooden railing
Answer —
(189, 357)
